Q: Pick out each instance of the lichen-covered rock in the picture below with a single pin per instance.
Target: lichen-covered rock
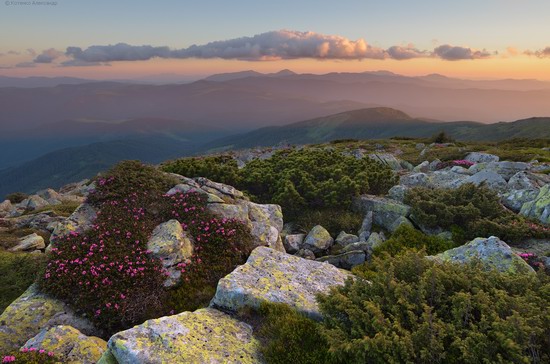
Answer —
(364, 246)
(505, 169)
(33, 312)
(477, 157)
(387, 159)
(345, 260)
(172, 246)
(539, 208)
(492, 252)
(414, 180)
(422, 167)
(397, 193)
(515, 199)
(51, 196)
(344, 239)
(366, 226)
(521, 181)
(306, 254)
(266, 224)
(203, 336)
(375, 240)
(293, 242)
(268, 213)
(230, 211)
(34, 202)
(5, 208)
(79, 221)
(219, 189)
(69, 345)
(29, 242)
(184, 188)
(446, 179)
(490, 178)
(402, 220)
(385, 210)
(318, 240)
(272, 276)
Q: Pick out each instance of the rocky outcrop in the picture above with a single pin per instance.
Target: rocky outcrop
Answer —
(477, 157)
(79, 221)
(490, 178)
(33, 312)
(69, 345)
(29, 243)
(272, 276)
(172, 246)
(203, 336)
(318, 240)
(491, 252)
(387, 159)
(539, 208)
(385, 211)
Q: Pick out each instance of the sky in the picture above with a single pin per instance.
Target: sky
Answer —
(481, 39)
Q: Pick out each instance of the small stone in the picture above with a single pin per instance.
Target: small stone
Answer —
(318, 240)
(293, 242)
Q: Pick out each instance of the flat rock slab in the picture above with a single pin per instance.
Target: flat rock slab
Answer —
(204, 336)
(273, 276)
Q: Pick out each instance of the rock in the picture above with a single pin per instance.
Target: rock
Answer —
(5, 208)
(406, 165)
(318, 240)
(267, 224)
(203, 336)
(517, 198)
(82, 188)
(414, 180)
(219, 189)
(29, 242)
(366, 226)
(446, 179)
(272, 276)
(39, 221)
(293, 242)
(360, 245)
(420, 146)
(461, 170)
(69, 345)
(387, 159)
(506, 169)
(385, 211)
(477, 157)
(266, 235)
(375, 240)
(306, 254)
(230, 211)
(33, 312)
(402, 220)
(434, 165)
(539, 208)
(521, 181)
(491, 179)
(35, 202)
(185, 188)
(52, 197)
(344, 238)
(492, 252)
(172, 246)
(423, 167)
(346, 260)
(79, 221)
(398, 192)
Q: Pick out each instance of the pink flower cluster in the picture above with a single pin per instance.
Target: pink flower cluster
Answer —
(12, 358)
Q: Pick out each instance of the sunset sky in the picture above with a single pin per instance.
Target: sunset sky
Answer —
(134, 39)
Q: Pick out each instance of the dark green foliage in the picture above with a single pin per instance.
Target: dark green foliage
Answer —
(442, 137)
(221, 169)
(291, 337)
(472, 212)
(334, 220)
(296, 179)
(17, 272)
(16, 197)
(412, 310)
(407, 237)
(109, 274)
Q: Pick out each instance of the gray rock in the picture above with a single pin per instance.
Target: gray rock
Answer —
(346, 260)
(39, 221)
(35, 202)
(230, 211)
(344, 239)
(219, 189)
(434, 165)
(423, 167)
(490, 178)
(375, 240)
(402, 220)
(272, 276)
(79, 221)
(185, 188)
(172, 246)
(318, 240)
(414, 180)
(386, 159)
(51, 196)
(306, 254)
(492, 252)
(515, 199)
(461, 170)
(420, 146)
(385, 211)
(539, 208)
(366, 226)
(29, 242)
(506, 169)
(477, 157)
(361, 245)
(406, 165)
(398, 192)
(5, 208)
(270, 214)
(446, 179)
(293, 242)
(204, 336)
(522, 181)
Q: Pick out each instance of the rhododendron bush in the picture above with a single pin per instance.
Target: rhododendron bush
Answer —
(108, 274)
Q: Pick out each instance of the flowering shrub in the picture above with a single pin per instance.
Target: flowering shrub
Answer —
(532, 259)
(31, 356)
(108, 273)
(453, 163)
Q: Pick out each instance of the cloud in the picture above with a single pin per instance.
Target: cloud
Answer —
(541, 53)
(31, 51)
(408, 52)
(25, 65)
(117, 52)
(512, 51)
(78, 63)
(455, 53)
(48, 56)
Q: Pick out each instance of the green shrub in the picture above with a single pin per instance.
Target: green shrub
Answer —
(17, 197)
(221, 169)
(290, 337)
(412, 310)
(407, 237)
(109, 274)
(472, 210)
(442, 137)
(334, 220)
(17, 272)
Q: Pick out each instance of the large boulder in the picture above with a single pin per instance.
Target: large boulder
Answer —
(5, 208)
(477, 157)
(387, 159)
(29, 243)
(505, 169)
(539, 208)
(34, 202)
(272, 276)
(385, 211)
(69, 345)
(414, 180)
(490, 178)
(33, 312)
(81, 220)
(203, 336)
(522, 181)
(491, 252)
(172, 246)
(446, 179)
(515, 199)
(318, 240)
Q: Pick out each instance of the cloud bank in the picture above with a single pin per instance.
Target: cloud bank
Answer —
(454, 53)
(541, 53)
